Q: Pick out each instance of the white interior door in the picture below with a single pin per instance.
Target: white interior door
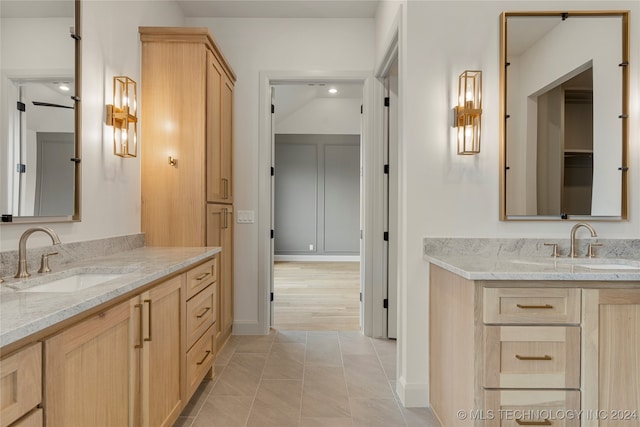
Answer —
(272, 206)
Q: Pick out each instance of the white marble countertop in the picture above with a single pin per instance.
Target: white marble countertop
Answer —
(25, 313)
(481, 267)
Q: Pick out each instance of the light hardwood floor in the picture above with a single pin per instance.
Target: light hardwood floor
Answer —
(316, 296)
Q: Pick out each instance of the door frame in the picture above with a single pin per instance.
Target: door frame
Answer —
(370, 198)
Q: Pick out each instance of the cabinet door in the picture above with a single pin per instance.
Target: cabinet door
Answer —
(215, 157)
(162, 399)
(20, 383)
(611, 357)
(227, 139)
(220, 233)
(91, 371)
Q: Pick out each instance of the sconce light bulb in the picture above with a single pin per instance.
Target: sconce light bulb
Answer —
(124, 134)
(333, 90)
(64, 87)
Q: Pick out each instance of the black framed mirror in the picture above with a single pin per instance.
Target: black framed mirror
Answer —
(564, 104)
(40, 117)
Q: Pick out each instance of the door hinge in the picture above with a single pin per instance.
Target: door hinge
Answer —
(21, 106)
(273, 171)
(386, 101)
(385, 303)
(360, 296)
(21, 168)
(386, 236)
(273, 109)
(386, 169)
(361, 109)
(273, 234)
(271, 296)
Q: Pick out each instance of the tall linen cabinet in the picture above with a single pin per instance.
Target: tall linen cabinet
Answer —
(187, 148)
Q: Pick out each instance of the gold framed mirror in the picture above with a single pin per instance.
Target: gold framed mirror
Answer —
(40, 117)
(564, 105)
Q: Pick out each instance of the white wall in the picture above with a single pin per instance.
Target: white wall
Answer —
(258, 45)
(457, 196)
(110, 185)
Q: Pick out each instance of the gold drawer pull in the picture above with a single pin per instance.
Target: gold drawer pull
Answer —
(202, 276)
(545, 357)
(533, 423)
(534, 307)
(204, 358)
(203, 312)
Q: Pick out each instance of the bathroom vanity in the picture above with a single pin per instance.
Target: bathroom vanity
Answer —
(130, 350)
(534, 340)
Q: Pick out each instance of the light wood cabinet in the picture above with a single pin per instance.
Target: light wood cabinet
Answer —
(220, 233)
(91, 370)
(120, 367)
(187, 105)
(611, 357)
(21, 386)
(562, 353)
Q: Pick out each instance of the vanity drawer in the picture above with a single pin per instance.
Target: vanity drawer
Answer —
(201, 276)
(532, 305)
(201, 313)
(532, 357)
(20, 383)
(517, 408)
(200, 360)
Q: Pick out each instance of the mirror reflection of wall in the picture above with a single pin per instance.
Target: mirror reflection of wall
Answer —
(564, 98)
(37, 118)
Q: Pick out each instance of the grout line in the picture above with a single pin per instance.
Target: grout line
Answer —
(344, 374)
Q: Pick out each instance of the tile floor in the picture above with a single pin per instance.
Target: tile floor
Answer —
(306, 379)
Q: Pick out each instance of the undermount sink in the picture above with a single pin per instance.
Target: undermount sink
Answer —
(74, 283)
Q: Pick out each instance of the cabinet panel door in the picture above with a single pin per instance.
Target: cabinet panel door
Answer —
(227, 139)
(215, 158)
(220, 233)
(517, 408)
(611, 356)
(91, 371)
(161, 353)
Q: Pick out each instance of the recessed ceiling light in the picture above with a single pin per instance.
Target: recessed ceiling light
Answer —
(333, 90)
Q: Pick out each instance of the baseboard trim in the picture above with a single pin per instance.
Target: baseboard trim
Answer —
(412, 395)
(318, 258)
(247, 328)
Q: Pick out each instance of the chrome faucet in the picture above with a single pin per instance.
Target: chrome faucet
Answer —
(22, 248)
(572, 252)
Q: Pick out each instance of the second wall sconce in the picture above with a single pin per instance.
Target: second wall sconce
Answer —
(467, 114)
(123, 116)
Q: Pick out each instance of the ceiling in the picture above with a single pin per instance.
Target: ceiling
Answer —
(279, 8)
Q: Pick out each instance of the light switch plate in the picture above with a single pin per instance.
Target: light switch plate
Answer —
(245, 217)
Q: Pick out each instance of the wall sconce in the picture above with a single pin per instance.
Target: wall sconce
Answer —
(123, 116)
(467, 113)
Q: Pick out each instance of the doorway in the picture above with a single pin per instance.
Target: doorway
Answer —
(316, 214)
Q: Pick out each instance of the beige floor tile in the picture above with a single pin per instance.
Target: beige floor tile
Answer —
(386, 350)
(324, 392)
(197, 400)
(419, 417)
(277, 403)
(241, 376)
(366, 378)
(255, 344)
(224, 411)
(326, 422)
(323, 349)
(227, 351)
(291, 336)
(285, 362)
(376, 413)
(355, 343)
